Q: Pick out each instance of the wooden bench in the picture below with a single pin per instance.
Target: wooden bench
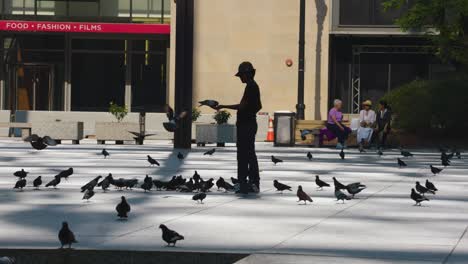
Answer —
(25, 127)
(313, 139)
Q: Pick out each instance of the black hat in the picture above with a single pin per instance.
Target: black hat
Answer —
(245, 67)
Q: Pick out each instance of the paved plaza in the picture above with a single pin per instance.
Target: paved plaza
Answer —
(380, 226)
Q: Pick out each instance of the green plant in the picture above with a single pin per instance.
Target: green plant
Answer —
(119, 112)
(222, 117)
(195, 114)
(431, 106)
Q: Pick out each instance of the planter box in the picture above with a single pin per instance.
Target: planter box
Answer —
(212, 133)
(60, 130)
(115, 131)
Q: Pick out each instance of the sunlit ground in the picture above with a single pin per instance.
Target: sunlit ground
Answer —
(381, 224)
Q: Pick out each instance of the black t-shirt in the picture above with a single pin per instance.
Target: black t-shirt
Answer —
(250, 103)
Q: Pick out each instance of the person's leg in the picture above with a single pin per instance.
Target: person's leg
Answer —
(337, 131)
(242, 159)
(254, 175)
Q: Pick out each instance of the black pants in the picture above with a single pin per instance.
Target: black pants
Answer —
(340, 134)
(247, 165)
(381, 137)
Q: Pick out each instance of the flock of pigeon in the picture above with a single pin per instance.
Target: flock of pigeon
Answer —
(201, 187)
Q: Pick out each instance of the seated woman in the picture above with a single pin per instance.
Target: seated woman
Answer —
(334, 124)
(383, 124)
(367, 119)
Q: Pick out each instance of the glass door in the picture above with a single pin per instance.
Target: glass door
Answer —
(34, 87)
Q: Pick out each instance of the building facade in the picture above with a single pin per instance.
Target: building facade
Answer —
(70, 55)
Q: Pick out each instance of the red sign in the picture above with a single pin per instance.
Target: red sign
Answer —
(77, 27)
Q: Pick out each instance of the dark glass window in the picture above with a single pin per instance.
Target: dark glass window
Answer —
(368, 13)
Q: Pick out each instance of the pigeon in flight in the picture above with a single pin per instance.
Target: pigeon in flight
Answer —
(171, 126)
(320, 183)
(105, 153)
(342, 154)
(355, 188)
(417, 197)
(431, 186)
(309, 155)
(406, 154)
(209, 152)
(66, 173)
(338, 185)
(66, 236)
(435, 170)
(199, 197)
(37, 182)
(20, 184)
(209, 103)
(180, 156)
(88, 194)
(341, 195)
(275, 160)
(21, 174)
(40, 143)
(170, 236)
(54, 182)
(303, 196)
(123, 208)
(401, 163)
(152, 161)
(90, 185)
(140, 136)
(423, 190)
(280, 187)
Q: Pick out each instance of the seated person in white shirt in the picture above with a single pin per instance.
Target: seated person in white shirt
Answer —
(366, 123)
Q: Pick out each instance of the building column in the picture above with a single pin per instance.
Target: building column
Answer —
(128, 75)
(184, 71)
(67, 83)
(2, 76)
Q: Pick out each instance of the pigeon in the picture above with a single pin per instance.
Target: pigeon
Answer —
(140, 136)
(147, 184)
(435, 170)
(309, 155)
(170, 236)
(361, 147)
(417, 197)
(234, 181)
(37, 182)
(66, 236)
(445, 162)
(355, 188)
(129, 183)
(54, 182)
(458, 154)
(105, 153)
(341, 195)
(303, 196)
(88, 194)
(7, 260)
(431, 186)
(187, 187)
(206, 186)
(171, 125)
(199, 197)
(280, 187)
(423, 190)
(21, 174)
(20, 184)
(152, 161)
(123, 208)
(104, 184)
(406, 154)
(338, 185)
(209, 152)
(221, 183)
(159, 184)
(304, 133)
(342, 154)
(66, 173)
(401, 163)
(210, 103)
(379, 152)
(40, 143)
(90, 185)
(275, 160)
(320, 183)
(180, 156)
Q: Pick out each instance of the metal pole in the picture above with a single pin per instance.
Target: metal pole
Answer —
(184, 71)
(300, 107)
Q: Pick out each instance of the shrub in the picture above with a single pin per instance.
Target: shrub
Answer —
(222, 117)
(119, 112)
(195, 114)
(428, 106)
